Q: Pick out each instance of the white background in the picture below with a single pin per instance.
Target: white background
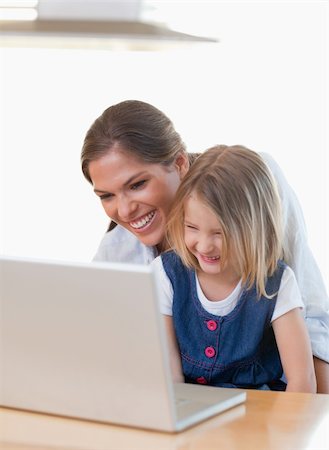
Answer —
(265, 85)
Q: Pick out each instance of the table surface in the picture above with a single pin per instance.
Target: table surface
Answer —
(268, 420)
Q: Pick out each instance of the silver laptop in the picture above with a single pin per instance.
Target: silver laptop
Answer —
(87, 340)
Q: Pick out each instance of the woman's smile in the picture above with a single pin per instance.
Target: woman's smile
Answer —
(143, 222)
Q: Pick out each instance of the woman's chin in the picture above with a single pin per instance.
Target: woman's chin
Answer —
(152, 239)
(151, 236)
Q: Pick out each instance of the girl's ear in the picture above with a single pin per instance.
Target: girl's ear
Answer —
(182, 164)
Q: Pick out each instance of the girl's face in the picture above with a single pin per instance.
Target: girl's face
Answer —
(135, 194)
(204, 239)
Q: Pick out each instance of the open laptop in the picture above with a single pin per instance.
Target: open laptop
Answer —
(87, 340)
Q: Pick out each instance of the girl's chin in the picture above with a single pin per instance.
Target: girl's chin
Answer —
(211, 270)
(210, 267)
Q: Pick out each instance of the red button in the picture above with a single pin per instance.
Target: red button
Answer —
(211, 325)
(201, 380)
(210, 352)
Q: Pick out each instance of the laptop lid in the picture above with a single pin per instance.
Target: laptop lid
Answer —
(87, 340)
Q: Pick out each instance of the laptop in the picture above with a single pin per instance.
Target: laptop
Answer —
(87, 340)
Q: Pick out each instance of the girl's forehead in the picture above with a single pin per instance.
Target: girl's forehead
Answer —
(195, 197)
(197, 205)
(195, 202)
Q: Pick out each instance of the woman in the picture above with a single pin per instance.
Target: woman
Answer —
(135, 160)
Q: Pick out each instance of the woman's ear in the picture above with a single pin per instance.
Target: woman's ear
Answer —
(182, 164)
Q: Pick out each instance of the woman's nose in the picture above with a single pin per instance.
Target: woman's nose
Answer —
(126, 208)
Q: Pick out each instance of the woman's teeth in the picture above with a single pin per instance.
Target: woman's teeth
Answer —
(142, 222)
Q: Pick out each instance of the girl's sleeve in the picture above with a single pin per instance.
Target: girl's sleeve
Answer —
(299, 257)
(288, 296)
(165, 286)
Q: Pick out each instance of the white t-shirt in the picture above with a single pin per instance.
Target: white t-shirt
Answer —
(119, 245)
(288, 296)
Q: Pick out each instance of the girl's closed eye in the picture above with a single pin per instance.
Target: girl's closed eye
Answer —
(190, 227)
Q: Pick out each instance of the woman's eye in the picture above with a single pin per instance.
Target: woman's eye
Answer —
(106, 196)
(137, 185)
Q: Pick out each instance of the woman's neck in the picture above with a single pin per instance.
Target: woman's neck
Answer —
(162, 246)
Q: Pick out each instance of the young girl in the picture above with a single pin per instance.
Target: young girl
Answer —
(232, 306)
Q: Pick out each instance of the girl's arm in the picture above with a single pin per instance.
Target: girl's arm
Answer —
(174, 354)
(295, 351)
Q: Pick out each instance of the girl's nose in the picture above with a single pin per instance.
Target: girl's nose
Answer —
(205, 245)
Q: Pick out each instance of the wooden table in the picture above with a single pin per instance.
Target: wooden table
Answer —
(268, 420)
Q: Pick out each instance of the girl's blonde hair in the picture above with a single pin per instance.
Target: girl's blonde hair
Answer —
(240, 189)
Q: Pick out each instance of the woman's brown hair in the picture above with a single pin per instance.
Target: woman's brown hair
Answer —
(139, 128)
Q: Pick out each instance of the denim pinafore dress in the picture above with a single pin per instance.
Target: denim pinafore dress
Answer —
(236, 350)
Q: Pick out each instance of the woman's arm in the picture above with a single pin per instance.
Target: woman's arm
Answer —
(322, 375)
(174, 354)
(298, 255)
(295, 351)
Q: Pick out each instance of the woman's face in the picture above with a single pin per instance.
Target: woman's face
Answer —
(135, 194)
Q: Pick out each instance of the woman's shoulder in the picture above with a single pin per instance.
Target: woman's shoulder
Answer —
(117, 234)
(274, 167)
(284, 187)
(119, 245)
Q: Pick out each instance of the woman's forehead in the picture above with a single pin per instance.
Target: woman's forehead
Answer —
(118, 167)
(117, 158)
